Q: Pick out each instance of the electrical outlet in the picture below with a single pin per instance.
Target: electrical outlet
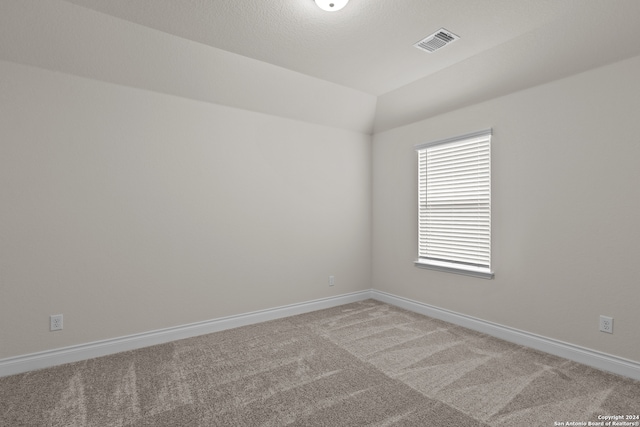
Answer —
(606, 324)
(332, 280)
(56, 322)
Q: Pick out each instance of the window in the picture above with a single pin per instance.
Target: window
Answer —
(454, 205)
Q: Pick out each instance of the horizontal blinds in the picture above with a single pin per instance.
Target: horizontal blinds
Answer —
(454, 196)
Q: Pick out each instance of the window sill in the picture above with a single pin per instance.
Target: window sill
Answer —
(450, 267)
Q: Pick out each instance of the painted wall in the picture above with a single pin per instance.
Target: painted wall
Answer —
(565, 209)
(129, 210)
(131, 199)
(61, 36)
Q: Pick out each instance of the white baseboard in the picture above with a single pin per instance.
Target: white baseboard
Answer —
(593, 358)
(49, 358)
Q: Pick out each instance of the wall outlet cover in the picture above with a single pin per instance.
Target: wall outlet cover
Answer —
(606, 324)
(55, 322)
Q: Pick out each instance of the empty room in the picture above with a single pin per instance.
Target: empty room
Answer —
(319, 212)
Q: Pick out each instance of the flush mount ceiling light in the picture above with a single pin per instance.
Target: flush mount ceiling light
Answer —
(331, 5)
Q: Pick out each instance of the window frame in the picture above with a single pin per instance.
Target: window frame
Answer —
(450, 265)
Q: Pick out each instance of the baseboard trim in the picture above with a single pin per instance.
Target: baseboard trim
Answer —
(593, 358)
(49, 358)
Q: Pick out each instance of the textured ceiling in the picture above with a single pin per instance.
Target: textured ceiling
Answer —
(355, 69)
(365, 46)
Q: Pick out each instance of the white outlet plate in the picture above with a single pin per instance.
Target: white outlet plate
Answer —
(606, 324)
(332, 280)
(55, 322)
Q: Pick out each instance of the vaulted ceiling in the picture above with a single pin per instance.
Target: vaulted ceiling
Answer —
(504, 45)
(368, 45)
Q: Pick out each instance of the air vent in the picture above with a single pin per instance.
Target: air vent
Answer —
(437, 40)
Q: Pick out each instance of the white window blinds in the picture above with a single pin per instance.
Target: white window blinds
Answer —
(454, 204)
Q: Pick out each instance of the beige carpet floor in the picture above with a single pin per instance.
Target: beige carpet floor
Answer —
(361, 364)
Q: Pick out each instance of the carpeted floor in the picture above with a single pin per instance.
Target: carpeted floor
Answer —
(365, 363)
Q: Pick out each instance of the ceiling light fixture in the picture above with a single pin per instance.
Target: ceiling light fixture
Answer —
(331, 5)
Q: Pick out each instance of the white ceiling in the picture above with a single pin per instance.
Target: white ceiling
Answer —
(368, 45)
(354, 69)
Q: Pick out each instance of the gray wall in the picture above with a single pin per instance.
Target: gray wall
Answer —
(147, 181)
(565, 209)
(129, 211)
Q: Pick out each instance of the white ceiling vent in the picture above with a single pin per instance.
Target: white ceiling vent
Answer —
(437, 40)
